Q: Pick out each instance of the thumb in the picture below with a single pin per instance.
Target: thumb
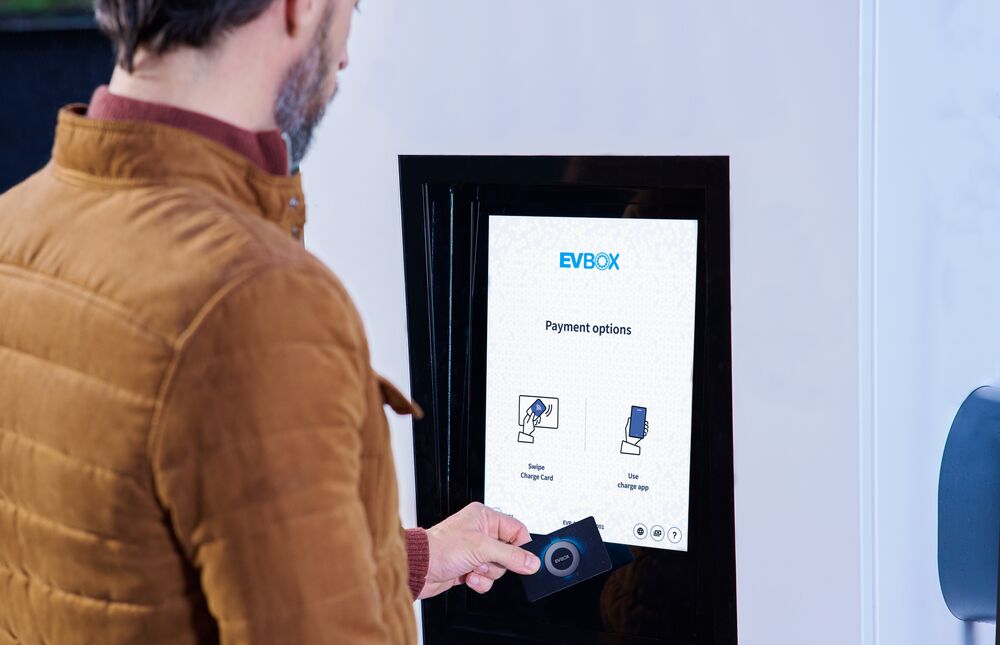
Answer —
(509, 556)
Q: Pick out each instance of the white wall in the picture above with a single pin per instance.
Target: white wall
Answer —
(772, 83)
(935, 241)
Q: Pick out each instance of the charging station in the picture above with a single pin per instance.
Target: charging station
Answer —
(569, 339)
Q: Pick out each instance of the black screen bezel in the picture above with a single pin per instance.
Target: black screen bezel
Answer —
(446, 205)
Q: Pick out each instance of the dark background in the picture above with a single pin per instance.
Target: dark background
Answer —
(44, 67)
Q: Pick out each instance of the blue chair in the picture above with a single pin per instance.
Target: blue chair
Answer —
(969, 509)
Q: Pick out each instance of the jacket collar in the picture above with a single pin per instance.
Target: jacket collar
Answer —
(266, 148)
(140, 152)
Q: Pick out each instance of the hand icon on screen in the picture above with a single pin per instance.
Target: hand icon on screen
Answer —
(528, 424)
(634, 435)
(628, 435)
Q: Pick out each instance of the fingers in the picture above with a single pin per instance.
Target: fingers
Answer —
(490, 570)
(481, 580)
(508, 529)
(478, 583)
(509, 556)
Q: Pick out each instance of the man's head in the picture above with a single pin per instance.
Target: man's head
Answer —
(284, 54)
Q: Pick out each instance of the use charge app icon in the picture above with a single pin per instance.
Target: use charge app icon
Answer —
(636, 429)
(569, 556)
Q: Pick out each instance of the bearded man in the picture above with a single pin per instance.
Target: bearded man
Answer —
(193, 447)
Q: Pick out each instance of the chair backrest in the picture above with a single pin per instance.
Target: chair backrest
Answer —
(969, 508)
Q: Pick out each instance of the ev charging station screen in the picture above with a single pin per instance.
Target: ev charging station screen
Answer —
(589, 374)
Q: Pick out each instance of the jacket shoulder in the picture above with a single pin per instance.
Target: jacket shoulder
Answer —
(157, 252)
(217, 245)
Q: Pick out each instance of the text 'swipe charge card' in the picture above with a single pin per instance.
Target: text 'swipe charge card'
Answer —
(569, 556)
(590, 338)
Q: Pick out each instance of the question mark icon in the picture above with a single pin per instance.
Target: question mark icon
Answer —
(674, 535)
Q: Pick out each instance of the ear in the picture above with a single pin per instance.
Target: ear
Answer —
(292, 21)
(300, 14)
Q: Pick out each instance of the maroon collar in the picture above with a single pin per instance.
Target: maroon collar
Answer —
(266, 149)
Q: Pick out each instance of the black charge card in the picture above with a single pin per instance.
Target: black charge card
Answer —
(570, 555)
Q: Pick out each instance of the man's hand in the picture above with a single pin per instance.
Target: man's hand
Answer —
(474, 547)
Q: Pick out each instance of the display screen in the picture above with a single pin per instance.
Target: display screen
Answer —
(589, 374)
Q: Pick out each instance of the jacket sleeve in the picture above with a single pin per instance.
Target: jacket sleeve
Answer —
(256, 457)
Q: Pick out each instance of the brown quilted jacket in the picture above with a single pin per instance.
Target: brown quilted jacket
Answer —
(193, 446)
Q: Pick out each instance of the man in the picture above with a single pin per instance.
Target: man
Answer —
(193, 446)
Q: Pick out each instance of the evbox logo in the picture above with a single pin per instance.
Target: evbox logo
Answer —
(602, 261)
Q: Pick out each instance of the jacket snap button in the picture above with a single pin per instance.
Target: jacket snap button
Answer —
(296, 232)
(294, 202)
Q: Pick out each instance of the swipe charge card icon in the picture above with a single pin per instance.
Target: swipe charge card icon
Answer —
(536, 412)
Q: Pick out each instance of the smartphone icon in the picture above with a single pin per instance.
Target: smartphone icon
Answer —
(637, 426)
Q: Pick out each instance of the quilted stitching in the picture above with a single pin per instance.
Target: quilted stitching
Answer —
(192, 440)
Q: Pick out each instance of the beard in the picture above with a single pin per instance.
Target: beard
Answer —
(301, 100)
